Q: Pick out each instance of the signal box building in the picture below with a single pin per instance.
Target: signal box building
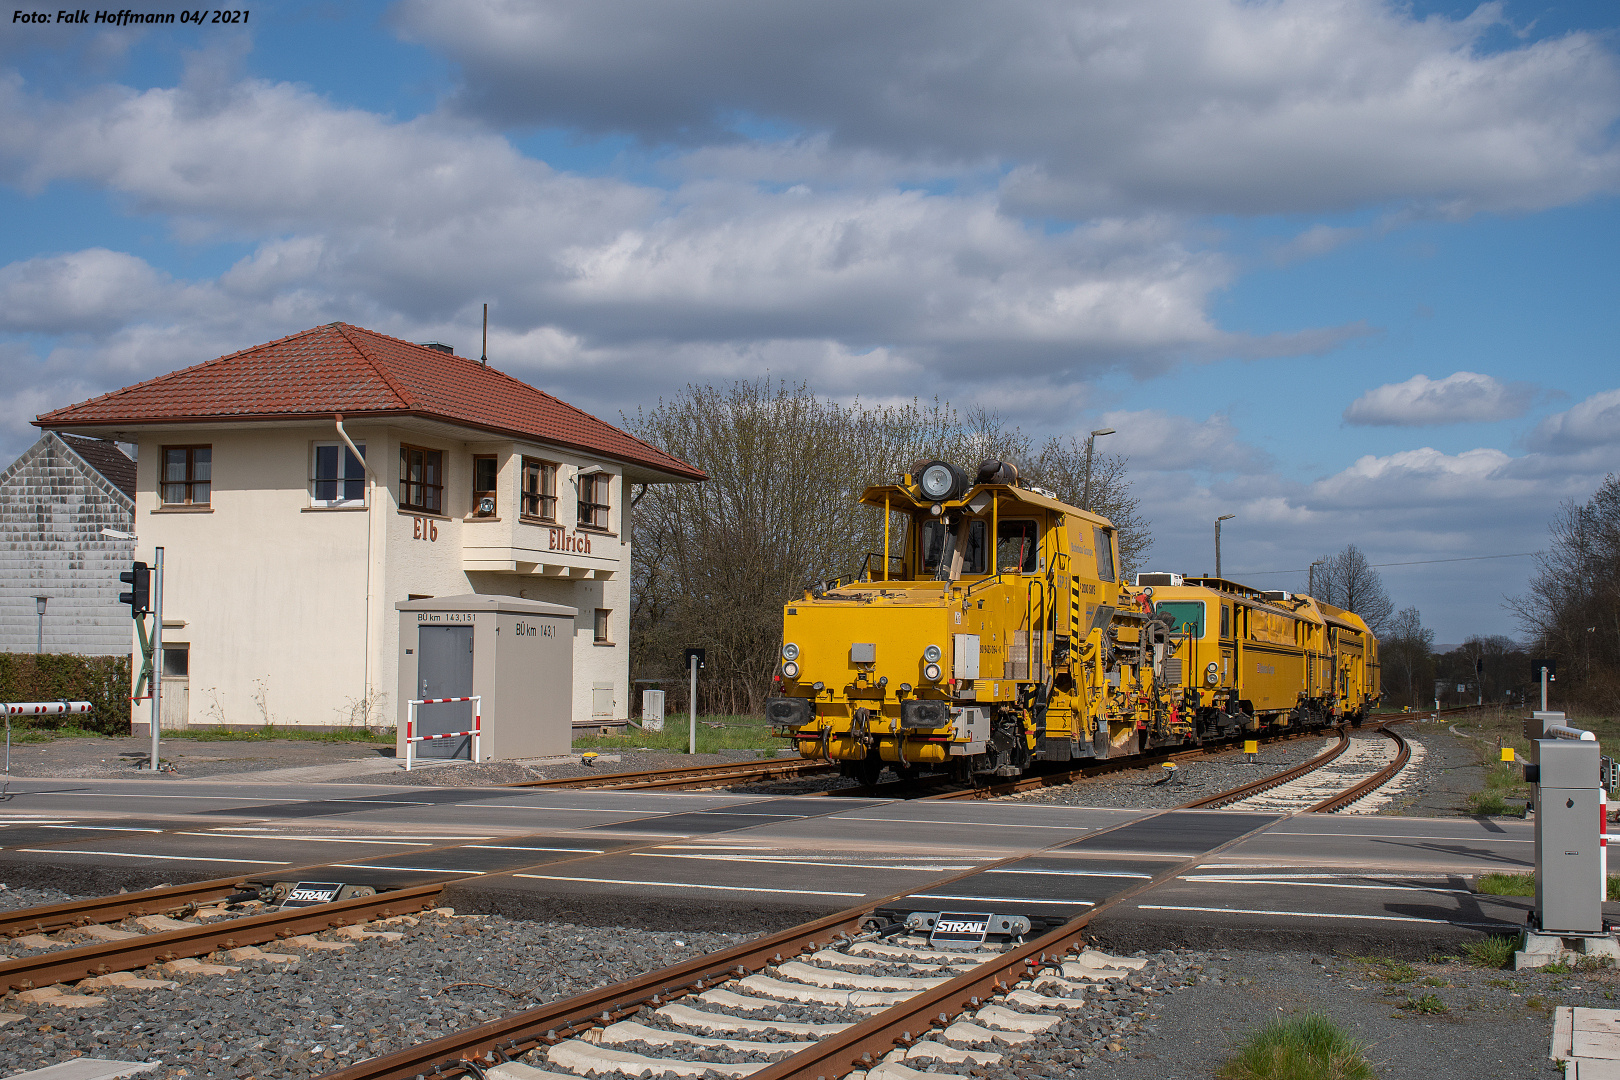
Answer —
(303, 488)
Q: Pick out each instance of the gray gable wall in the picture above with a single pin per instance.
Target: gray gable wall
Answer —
(53, 506)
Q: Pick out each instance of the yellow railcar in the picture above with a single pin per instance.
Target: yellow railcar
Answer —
(1251, 659)
(994, 630)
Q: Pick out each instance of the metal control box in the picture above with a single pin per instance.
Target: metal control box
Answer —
(1569, 875)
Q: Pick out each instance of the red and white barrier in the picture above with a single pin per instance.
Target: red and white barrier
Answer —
(1603, 841)
(412, 738)
(44, 708)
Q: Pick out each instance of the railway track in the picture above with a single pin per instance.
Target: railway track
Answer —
(693, 776)
(864, 959)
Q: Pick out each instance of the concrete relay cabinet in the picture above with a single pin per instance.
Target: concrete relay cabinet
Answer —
(516, 654)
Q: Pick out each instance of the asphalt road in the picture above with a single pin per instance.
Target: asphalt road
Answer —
(720, 860)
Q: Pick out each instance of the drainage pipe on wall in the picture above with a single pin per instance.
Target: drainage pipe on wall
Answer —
(371, 499)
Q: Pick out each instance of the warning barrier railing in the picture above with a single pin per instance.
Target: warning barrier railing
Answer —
(412, 738)
(37, 708)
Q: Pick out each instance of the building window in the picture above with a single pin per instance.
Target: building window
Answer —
(602, 614)
(539, 489)
(486, 474)
(176, 661)
(421, 479)
(339, 478)
(187, 471)
(593, 500)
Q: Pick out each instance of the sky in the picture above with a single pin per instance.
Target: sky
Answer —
(1344, 269)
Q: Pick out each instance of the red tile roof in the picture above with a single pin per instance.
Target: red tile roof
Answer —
(346, 369)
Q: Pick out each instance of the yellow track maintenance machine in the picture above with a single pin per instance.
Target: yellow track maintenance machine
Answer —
(993, 631)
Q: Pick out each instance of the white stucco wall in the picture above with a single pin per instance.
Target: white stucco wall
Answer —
(271, 594)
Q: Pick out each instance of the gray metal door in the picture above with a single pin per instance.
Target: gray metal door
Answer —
(444, 669)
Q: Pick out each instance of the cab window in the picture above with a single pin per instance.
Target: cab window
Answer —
(1226, 621)
(932, 537)
(1105, 555)
(1187, 615)
(1017, 547)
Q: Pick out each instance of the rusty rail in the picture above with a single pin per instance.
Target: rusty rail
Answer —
(70, 965)
(105, 909)
(1372, 783)
(1266, 783)
(689, 776)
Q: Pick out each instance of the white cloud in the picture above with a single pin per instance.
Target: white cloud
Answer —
(84, 291)
(1157, 441)
(1592, 424)
(1223, 106)
(1463, 397)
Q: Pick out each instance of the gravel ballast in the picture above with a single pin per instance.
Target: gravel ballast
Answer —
(331, 1009)
(1147, 788)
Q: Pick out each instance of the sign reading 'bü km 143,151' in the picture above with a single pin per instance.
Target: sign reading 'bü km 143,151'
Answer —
(563, 540)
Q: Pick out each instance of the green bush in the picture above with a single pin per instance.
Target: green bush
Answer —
(1308, 1047)
(101, 680)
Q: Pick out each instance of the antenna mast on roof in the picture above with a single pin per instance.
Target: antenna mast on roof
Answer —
(485, 358)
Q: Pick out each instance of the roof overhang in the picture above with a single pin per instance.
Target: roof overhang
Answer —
(414, 420)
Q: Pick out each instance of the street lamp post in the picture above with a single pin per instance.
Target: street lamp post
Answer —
(1312, 585)
(39, 609)
(1091, 440)
(1223, 517)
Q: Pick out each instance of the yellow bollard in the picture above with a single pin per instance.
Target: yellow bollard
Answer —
(1251, 746)
(1507, 753)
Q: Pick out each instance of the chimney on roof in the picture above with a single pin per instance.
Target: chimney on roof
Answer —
(439, 345)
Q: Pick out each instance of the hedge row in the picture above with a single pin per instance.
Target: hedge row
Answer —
(101, 680)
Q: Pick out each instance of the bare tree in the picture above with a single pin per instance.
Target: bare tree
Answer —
(1407, 653)
(1061, 467)
(714, 563)
(1572, 610)
(1348, 581)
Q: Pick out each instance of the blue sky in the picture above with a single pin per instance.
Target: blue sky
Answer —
(1343, 268)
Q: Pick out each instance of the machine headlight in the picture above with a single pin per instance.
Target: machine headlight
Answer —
(790, 651)
(937, 481)
(932, 654)
(1210, 675)
(790, 669)
(1212, 668)
(932, 673)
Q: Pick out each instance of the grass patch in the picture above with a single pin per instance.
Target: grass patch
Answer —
(1506, 884)
(271, 731)
(714, 733)
(1495, 952)
(1394, 971)
(1427, 1005)
(1308, 1047)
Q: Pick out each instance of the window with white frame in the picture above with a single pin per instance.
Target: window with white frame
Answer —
(593, 500)
(338, 478)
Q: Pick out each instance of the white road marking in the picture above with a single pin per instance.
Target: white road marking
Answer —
(1068, 873)
(684, 885)
(794, 862)
(311, 839)
(134, 855)
(1397, 836)
(522, 847)
(998, 899)
(936, 821)
(1323, 915)
(103, 828)
(1330, 885)
(423, 869)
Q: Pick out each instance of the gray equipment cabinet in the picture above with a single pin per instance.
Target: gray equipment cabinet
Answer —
(1569, 881)
(517, 655)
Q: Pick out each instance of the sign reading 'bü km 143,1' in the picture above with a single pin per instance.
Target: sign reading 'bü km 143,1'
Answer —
(563, 540)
